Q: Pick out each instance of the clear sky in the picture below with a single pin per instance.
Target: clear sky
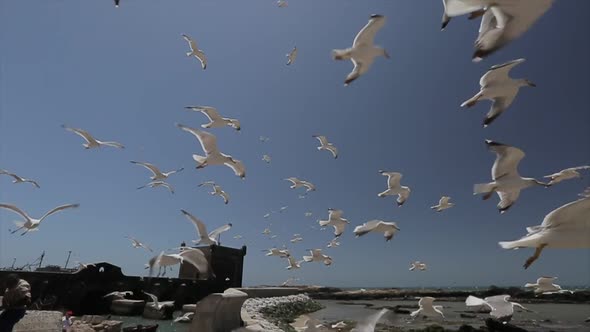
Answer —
(122, 74)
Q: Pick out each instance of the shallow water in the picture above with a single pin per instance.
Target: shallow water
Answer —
(164, 325)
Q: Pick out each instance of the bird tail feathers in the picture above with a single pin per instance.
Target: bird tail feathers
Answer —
(324, 222)
(509, 244)
(19, 224)
(528, 285)
(474, 301)
(482, 188)
(341, 54)
(199, 159)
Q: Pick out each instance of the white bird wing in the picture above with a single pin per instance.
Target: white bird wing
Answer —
(573, 214)
(499, 105)
(208, 141)
(333, 149)
(507, 198)
(335, 214)
(500, 306)
(444, 200)
(310, 186)
(461, 7)
(367, 227)
(507, 159)
(191, 43)
(155, 171)
(82, 133)
(498, 74)
(15, 209)
(367, 34)
(238, 167)
(219, 230)
(473, 301)
(369, 324)
(210, 112)
(199, 225)
(202, 58)
(393, 179)
(208, 183)
(578, 168)
(113, 144)
(153, 298)
(295, 181)
(57, 209)
(323, 140)
(225, 196)
(545, 281)
(196, 258)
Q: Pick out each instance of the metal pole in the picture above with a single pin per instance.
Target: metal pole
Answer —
(41, 259)
(13, 261)
(68, 260)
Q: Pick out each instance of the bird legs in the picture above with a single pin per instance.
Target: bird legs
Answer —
(535, 256)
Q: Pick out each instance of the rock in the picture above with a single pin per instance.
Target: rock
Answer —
(587, 320)
(127, 307)
(467, 316)
(495, 325)
(151, 312)
(40, 321)
(189, 307)
(467, 328)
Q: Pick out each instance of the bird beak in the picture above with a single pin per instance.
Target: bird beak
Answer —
(531, 84)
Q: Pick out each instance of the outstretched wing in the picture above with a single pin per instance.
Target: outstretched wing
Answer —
(367, 34)
(13, 208)
(59, 208)
(199, 225)
(149, 166)
(208, 141)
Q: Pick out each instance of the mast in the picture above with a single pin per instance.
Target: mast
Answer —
(41, 258)
(13, 261)
(68, 260)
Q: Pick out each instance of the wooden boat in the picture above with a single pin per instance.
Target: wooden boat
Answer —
(141, 328)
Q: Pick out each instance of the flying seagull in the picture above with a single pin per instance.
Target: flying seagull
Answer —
(333, 243)
(282, 3)
(368, 324)
(292, 56)
(301, 183)
(296, 238)
(156, 173)
(395, 188)
(501, 308)
(18, 179)
(507, 181)
(498, 87)
(379, 226)
(212, 154)
(195, 51)
(443, 204)
(31, 224)
(266, 158)
(277, 252)
(217, 190)
(137, 244)
(91, 142)
(204, 237)
(363, 51)
(545, 285)
(195, 257)
(215, 120)
(187, 317)
(567, 227)
(335, 220)
(325, 145)
(293, 264)
(154, 184)
(452, 8)
(417, 265)
(318, 256)
(566, 174)
(428, 309)
(116, 295)
(155, 303)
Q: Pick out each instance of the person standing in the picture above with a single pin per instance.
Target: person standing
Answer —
(17, 297)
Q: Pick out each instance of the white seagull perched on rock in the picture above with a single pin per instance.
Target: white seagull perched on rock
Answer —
(154, 184)
(116, 295)
(293, 264)
(363, 51)
(156, 173)
(369, 324)
(502, 309)
(498, 87)
(204, 237)
(91, 142)
(395, 188)
(301, 183)
(18, 179)
(339, 325)
(566, 174)
(379, 226)
(212, 154)
(195, 51)
(318, 256)
(443, 204)
(545, 285)
(335, 219)
(507, 181)
(428, 309)
(216, 190)
(137, 244)
(503, 20)
(292, 56)
(29, 223)
(325, 145)
(417, 265)
(155, 303)
(567, 227)
(216, 120)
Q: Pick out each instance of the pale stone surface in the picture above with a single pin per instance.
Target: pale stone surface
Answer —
(219, 312)
(40, 321)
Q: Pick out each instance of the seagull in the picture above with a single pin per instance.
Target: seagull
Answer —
(363, 51)
(119, 295)
(335, 219)
(29, 223)
(427, 309)
(187, 317)
(263, 139)
(136, 244)
(380, 226)
(195, 51)
(216, 121)
(156, 173)
(296, 239)
(213, 156)
(117, 3)
(292, 56)
(82, 266)
(277, 252)
(266, 216)
(217, 190)
(502, 309)
(155, 303)
(18, 179)
(195, 257)
(266, 231)
(91, 142)
(266, 158)
(333, 243)
(507, 181)
(567, 227)
(566, 174)
(443, 204)
(204, 238)
(545, 285)
(395, 188)
(368, 325)
(339, 325)
(325, 145)
(282, 3)
(237, 237)
(288, 281)
(273, 236)
(283, 208)
(301, 183)
(154, 184)
(453, 8)
(318, 256)
(417, 265)
(293, 264)
(498, 87)
(308, 214)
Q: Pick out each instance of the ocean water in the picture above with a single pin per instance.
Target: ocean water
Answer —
(164, 325)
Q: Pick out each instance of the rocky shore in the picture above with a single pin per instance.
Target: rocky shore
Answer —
(258, 313)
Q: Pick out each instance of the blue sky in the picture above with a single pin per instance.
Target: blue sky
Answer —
(122, 74)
